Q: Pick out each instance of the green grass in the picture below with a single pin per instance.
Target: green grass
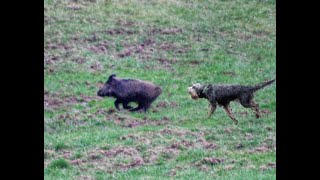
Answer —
(212, 41)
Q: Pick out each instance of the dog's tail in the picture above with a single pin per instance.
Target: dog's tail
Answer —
(262, 85)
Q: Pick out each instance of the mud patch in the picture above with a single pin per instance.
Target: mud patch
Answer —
(140, 48)
(96, 66)
(248, 136)
(167, 46)
(243, 113)
(208, 161)
(202, 143)
(118, 158)
(272, 165)
(121, 150)
(166, 31)
(265, 111)
(182, 50)
(264, 147)
(119, 31)
(60, 46)
(229, 73)
(195, 62)
(126, 23)
(54, 100)
(138, 161)
(166, 62)
(164, 104)
(131, 122)
(74, 7)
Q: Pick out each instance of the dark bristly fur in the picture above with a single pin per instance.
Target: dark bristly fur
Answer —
(130, 90)
(223, 94)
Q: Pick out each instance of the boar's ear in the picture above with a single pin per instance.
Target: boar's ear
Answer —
(111, 78)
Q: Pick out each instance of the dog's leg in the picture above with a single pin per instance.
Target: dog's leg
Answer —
(229, 112)
(212, 107)
(255, 108)
(246, 100)
(116, 104)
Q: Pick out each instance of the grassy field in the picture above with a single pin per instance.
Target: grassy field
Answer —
(172, 44)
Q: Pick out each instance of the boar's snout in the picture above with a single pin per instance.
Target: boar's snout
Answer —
(104, 91)
(100, 93)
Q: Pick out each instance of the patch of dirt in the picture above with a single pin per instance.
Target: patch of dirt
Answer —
(204, 168)
(48, 154)
(131, 122)
(204, 49)
(93, 38)
(205, 144)
(272, 165)
(228, 130)
(261, 33)
(143, 47)
(265, 111)
(85, 178)
(180, 132)
(97, 49)
(269, 128)
(229, 73)
(96, 66)
(166, 62)
(239, 146)
(164, 104)
(60, 46)
(118, 158)
(167, 46)
(264, 147)
(126, 23)
(166, 31)
(243, 113)
(228, 167)
(79, 60)
(66, 154)
(47, 20)
(101, 47)
(138, 161)
(120, 150)
(210, 161)
(195, 62)
(181, 145)
(54, 100)
(74, 7)
(76, 162)
(172, 172)
(248, 136)
(51, 59)
(182, 50)
(119, 31)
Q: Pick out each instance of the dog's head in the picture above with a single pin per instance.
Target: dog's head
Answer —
(196, 90)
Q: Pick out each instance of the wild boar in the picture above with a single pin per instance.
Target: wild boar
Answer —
(130, 90)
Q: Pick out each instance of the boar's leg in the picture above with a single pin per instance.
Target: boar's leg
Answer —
(116, 104)
(125, 105)
(140, 106)
(146, 107)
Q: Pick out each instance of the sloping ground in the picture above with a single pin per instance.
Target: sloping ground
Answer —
(173, 44)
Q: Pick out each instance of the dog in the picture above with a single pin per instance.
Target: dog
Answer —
(130, 90)
(225, 93)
